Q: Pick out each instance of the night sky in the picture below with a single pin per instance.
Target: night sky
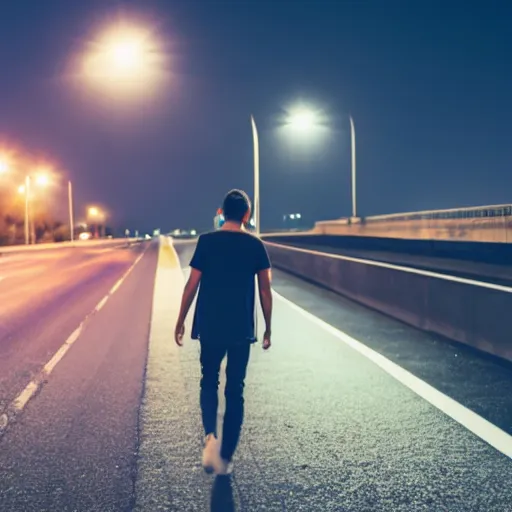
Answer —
(428, 83)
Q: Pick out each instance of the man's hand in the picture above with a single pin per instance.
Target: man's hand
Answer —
(178, 334)
(266, 340)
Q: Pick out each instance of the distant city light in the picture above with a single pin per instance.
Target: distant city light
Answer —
(193, 232)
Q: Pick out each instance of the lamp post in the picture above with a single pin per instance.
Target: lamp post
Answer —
(26, 191)
(30, 231)
(41, 180)
(71, 217)
(302, 120)
(256, 148)
(353, 162)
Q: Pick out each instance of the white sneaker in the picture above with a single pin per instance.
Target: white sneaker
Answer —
(224, 467)
(211, 453)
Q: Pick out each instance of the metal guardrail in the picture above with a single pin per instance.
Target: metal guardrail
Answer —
(498, 210)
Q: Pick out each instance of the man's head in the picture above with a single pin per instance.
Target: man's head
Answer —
(236, 207)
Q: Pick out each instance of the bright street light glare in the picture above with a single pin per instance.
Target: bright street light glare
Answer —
(302, 120)
(93, 211)
(21, 189)
(124, 61)
(42, 180)
(126, 56)
(304, 129)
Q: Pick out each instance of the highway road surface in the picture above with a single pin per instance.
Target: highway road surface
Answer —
(349, 410)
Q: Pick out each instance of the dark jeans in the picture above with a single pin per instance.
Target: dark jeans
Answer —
(212, 354)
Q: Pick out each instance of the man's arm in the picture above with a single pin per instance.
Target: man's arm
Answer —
(264, 285)
(196, 270)
(188, 294)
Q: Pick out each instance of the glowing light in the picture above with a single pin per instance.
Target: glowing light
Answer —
(42, 180)
(93, 211)
(126, 56)
(125, 60)
(4, 166)
(302, 120)
(21, 189)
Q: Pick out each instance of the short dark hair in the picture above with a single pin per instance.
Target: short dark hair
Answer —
(235, 206)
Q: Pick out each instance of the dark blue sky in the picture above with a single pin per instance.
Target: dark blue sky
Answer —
(428, 84)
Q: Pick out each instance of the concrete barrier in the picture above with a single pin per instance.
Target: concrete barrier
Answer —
(470, 312)
(14, 249)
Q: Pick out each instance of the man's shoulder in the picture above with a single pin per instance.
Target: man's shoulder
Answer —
(242, 236)
(206, 237)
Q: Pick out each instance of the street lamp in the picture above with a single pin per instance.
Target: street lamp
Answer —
(353, 165)
(96, 214)
(42, 180)
(125, 60)
(256, 149)
(302, 120)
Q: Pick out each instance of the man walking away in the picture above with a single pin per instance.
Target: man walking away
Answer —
(225, 264)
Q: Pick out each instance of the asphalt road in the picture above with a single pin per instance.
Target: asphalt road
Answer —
(73, 446)
(116, 425)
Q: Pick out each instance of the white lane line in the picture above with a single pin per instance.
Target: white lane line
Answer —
(121, 281)
(101, 303)
(22, 399)
(482, 428)
(19, 403)
(116, 286)
(52, 363)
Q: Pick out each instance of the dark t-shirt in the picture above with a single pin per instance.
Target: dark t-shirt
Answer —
(228, 261)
